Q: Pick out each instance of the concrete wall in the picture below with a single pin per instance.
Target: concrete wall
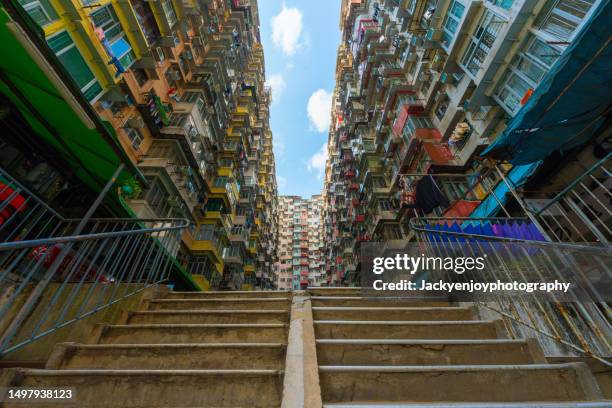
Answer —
(79, 331)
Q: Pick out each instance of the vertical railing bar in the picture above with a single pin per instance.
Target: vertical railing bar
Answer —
(550, 228)
(101, 269)
(127, 271)
(77, 288)
(590, 210)
(587, 222)
(521, 203)
(602, 205)
(73, 266)
(14, 214)
(113, 270)
(564, 213)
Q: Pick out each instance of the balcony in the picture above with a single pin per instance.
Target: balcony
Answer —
(233, 255)
(239, 234)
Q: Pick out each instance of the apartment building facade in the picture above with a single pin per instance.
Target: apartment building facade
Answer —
(422, 88)
(181, 83)
(299, 243)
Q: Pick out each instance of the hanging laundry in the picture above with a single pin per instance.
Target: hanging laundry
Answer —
(429, 196)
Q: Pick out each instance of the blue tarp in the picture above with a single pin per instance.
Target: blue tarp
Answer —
(569, 104)
(518, 176)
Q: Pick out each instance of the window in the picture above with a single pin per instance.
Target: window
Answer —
(215, 204)
(505, 4)
(201, 265)
(146, 20)
(442, 106)
(169, 12)
(221, 181)
(140, 75)
(561, 18)
(451, 22)
(157, 197)
(206, 232)
(418, 122)
(525, 73)
(40, 10)
(135, 137)
(481, 42)
(177, 119)
(70, 57)
(197, 98)
(118, 45)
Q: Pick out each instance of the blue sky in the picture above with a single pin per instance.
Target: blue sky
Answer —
(300, 39)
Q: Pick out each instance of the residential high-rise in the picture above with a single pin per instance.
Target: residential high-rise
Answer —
(299, 243)
(182, 85)
(423, 87)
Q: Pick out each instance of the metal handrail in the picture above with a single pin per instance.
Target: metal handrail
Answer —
(55, 271)
(578, 321)
(594, 247)
(184, 223)
(575, 182)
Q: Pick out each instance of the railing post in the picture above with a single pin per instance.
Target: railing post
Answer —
(38, 291)
(527, 211)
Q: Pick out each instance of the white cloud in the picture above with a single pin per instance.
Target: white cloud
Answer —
(286, 29)
(279, 148)
(319, 110)
(318, 161)
(278, 85)
(281, 181)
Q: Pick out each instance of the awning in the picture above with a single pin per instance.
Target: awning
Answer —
(517, 177)
(569, 105)
(89, 146)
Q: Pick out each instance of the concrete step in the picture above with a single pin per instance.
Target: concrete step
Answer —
(340, 291)
(428, 352)
(393, 313)
(477, 329)
(230, 294)
(190, 333)
(207, 316)
(202, 356)
(154, 388)
(571, 404)
(493, 383)
(217, 304)
(359, 301)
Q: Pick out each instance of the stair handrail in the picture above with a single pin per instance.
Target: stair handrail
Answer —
(595, 247)
(575, 182)
(55, 271)
(580, 325)
(178, 224)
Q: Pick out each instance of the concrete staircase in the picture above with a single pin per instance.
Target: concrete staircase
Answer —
(328, 347)
(397, 352)
(208, 349)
